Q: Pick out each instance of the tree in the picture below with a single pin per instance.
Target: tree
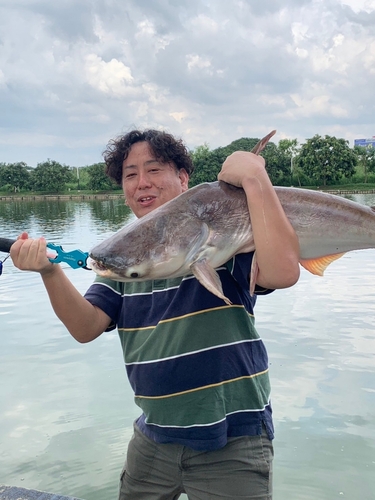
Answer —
(207, 165)
(278, 159)
(98, 180)
(15, 175)
(326, 160)
(366, 158)
(278, 164)
(243, 144)
(50, 176)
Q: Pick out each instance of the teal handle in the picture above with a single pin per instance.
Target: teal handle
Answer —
(75, 258)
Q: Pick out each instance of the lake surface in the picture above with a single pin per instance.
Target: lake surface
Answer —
(66, 409)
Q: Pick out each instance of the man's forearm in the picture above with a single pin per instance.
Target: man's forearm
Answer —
(275, 241)
(84, 321)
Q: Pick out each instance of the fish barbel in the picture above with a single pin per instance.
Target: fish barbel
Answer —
(205, 226)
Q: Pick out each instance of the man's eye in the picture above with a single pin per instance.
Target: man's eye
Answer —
(128, 176)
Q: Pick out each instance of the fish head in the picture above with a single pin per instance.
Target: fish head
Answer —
(148, 248)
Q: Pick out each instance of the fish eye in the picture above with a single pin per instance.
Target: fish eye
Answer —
(134, 275)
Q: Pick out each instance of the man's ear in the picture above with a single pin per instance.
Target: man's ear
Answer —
(184, 179)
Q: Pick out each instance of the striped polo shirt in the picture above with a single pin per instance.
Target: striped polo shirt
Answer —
(198, 367)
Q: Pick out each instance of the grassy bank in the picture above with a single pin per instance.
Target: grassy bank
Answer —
(360, 186)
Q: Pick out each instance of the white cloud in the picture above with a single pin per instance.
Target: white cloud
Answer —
(110, 77)
(359, 5)
(207, 71)
(2, 79)
(178, 116)
(196, 61)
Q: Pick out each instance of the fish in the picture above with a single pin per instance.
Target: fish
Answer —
(207, 225)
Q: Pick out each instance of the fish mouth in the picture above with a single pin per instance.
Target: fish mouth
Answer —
(97, 265)
(103, 270)
(100, 269)
(114, 273)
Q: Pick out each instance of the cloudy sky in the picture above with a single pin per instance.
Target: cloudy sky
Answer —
(76, 73)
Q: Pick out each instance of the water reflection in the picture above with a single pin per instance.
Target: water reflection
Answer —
(66, 409)
(57, 220)
(39, 216)
(111, 214)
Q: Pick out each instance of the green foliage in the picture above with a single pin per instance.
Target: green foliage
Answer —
(15, 176)
(326, 160)
(207, 165)
(279, 163)
(50, 176)
(98, 181)
(80, 179)
(243, 144)
(366, 160)
(321, 161)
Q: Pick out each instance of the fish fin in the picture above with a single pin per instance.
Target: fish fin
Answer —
(319, 265)
(208, 277)
(253, 273)
(259, 146)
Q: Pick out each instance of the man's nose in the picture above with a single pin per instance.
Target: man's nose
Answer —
(143, 180)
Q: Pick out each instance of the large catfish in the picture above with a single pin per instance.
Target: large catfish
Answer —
(205, 226)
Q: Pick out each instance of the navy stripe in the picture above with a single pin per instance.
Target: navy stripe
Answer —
(145, 310)
(106, 299)
(197, 370)
(148, 309)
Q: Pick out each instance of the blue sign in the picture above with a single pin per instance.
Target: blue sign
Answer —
(365, 143)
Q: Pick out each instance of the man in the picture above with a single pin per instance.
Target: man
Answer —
(197, 366)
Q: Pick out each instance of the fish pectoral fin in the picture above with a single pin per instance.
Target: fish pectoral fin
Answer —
(319, 265)
(208, 277)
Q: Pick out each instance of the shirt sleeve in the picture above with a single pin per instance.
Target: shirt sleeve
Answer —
(241, 272)
(107, 295)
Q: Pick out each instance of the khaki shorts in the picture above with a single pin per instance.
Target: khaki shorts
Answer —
(153, 471)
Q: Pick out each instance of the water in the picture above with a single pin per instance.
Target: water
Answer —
(66, 409)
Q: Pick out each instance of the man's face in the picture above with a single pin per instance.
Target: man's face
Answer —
(147, 183)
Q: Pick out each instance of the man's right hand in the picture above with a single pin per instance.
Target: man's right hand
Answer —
(30, 254)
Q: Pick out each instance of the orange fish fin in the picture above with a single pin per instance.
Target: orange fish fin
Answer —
(319, 265)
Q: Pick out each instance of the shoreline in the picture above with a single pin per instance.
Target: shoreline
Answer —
(107, 196)
(64, 197)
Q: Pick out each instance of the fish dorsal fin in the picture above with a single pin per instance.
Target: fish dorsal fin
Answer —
(319, 265)
(208, 277)
(259, 146)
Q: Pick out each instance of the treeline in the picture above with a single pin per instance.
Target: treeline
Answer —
(320, 161)
(53, 177)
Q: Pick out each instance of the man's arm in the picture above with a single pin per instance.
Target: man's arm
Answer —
(84, 321)
(276, 243)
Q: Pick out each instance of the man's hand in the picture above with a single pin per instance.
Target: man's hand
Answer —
(239, 166)
(31, 254)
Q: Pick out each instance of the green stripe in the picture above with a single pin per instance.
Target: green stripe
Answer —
(189, 333)
(139, 287)
(207, 405)
(149, 286)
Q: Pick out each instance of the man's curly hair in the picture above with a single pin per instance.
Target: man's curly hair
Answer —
(164, 146)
